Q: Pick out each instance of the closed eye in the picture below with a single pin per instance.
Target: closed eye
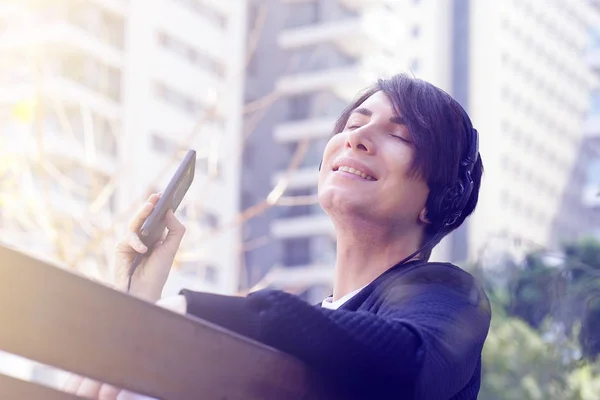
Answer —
(401, 138)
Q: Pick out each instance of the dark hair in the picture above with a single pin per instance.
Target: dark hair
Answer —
(439, 133)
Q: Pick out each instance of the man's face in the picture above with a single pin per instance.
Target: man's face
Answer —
(366, 167)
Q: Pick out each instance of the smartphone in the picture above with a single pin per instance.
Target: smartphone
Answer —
(154, 226)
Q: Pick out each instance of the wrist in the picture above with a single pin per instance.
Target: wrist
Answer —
(145, 293)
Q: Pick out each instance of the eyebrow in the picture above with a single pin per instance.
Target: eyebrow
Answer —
(366, 112)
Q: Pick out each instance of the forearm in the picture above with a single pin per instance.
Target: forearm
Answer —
(432, 334)
(340, 342)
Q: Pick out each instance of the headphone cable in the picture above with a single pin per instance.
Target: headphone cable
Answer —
(134, 264)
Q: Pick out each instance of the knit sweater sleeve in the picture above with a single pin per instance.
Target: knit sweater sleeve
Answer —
(423, 338)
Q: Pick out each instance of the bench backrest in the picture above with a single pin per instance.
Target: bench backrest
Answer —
(64, 320)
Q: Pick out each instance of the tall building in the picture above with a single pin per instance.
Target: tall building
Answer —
(518, 67)
(581, 201)
(529, 87)
(125, 88)
(314, 57)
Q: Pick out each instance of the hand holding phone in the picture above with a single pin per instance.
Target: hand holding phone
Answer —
(154, 225)
(153, 228)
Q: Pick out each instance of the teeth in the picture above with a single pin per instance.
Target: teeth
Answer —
(355, 172)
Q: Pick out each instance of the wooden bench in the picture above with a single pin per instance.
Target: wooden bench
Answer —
(58, 318)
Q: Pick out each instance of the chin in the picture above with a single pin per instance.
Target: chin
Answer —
(334, 202)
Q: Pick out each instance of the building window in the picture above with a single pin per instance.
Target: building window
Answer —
(248, 199)
(416, 31)
(191, 54)
(181, 101)
(314, 105)
(249, 155)
(594, 109)
(317, 58)
(209, 219)
(159, 144)
(91, 73)
(209, 167)
(594, 39)
(94, 19)
(299, 107)
(105, 134)
(205, 11)
(302, 13)
(414, 65)
(593, 173)
(296, 252)
(312, 156)
(211, 273)
(504, 197)
(163, 145)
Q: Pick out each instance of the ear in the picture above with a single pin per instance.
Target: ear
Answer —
(423, 216)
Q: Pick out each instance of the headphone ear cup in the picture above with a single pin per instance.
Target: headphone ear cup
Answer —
(445, 206)
(435, 204)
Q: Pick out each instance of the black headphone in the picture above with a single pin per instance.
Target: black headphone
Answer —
(447, 204)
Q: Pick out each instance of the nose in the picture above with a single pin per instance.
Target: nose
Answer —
(359, 139)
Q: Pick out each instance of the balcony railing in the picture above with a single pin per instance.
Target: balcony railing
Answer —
(311, 128)
(350, 35)
(106, 26)
(344, 82)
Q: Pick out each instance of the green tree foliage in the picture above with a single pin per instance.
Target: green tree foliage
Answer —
(518, 364)
(567, 293)
(544, 342)
(589, 337)
(534, 290)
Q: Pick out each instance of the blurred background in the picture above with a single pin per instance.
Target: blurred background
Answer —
(100, 100)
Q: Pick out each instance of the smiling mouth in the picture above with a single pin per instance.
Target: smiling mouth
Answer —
(355, 172)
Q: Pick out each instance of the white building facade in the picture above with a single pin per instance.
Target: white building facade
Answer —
(126, 87)
(529, 88)
(518, 67)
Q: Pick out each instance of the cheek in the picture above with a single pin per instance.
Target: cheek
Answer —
(399, 159)
(331, 148)
(407, 188)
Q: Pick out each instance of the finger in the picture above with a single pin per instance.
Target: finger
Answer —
(72, 383)
(175, 229)
(162, 239)
(89, 389)
(108, 392)
(175, 232)
(131, 243)
(153, 198)
(138, 220)
(134, 241)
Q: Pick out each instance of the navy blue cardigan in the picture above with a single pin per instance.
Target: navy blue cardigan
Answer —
(415, 332)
